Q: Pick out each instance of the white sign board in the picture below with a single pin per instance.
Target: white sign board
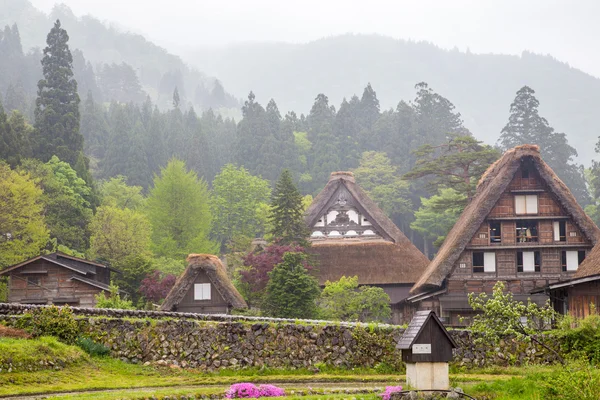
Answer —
(421, 348)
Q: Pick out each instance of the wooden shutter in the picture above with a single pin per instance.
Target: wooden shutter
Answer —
(528, 261)
(572, 260)
(531, 204)
(520, 204)
(489, 262)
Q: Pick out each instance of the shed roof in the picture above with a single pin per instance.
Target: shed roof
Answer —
(75, 264)
(491, 186)
(215, 271)
(416, 326)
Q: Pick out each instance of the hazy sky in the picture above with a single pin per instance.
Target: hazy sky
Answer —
(567, 29)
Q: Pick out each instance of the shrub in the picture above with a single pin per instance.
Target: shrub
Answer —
(50, 321)
(249, 390)
(114, 300)
(578, 380)
(91, 347)
(580, 337)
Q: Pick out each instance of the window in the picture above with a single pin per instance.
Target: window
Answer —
(484, 261)
(202, 291)
(33, 281)
(526, 204)
(495, 232)
(527, 231)
(525, 173)
(528, 261)
(560, 231)
(570, 260)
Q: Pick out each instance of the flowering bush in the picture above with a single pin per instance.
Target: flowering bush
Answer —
(249, 390)
(387, 394)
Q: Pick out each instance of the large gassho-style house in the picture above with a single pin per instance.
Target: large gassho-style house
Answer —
(523, 226)
(351, 236)
(57, 278)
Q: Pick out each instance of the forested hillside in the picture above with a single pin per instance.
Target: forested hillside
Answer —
(112, 64)
(480, 85)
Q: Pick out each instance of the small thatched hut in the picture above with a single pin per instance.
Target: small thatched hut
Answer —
(203, 288)
(351, 236)
(523, 226)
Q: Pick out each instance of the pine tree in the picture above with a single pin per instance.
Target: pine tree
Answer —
(291, 291)
(57, 105)
(176, 99)
(287, 212)
(526, 126)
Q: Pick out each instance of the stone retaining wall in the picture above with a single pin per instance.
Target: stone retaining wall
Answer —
(210, 342)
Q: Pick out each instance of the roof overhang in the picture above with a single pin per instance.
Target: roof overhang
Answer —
(569, 283)
(423, 296)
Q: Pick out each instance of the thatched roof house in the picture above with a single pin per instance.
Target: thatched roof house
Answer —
(351, 236)
(203, 288)
(518, 227)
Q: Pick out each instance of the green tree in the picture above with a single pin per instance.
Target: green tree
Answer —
(23, 232)
(178, 208)
(500, 316)
(119, 233)
(457, 164)
(57, 105)
(66, 202)
(287, 212)
(116, 193)
(291, 291)
(113, 300)
(344, 300)
(437, 215)
(380, 179)
(238, 204)
(13, 137)
(526, 126)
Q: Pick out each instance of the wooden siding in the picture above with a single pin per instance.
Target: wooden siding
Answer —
(55, 285)
(216, 304)
(584, 298)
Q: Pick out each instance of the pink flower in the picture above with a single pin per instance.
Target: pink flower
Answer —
(389, 390)
(249, 390)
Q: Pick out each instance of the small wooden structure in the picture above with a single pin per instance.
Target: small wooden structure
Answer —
(203, 288)
(426, 349)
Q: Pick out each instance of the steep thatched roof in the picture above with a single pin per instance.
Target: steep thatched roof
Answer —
(213, 267)
(491, 186)
(393, 259)
(375, 262)
(591, 265)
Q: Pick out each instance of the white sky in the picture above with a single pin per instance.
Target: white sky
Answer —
(566, 29)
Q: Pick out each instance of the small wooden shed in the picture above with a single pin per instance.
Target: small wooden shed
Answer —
(426, 349)
(204, 288)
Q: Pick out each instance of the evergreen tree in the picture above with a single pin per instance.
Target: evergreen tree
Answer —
(526, 126)
(10, 149)
(326, 147)
(176, 99)
(57, 105)
(95, 131)
(287, 212)
(348, 130)
(368, 115)
(252, 135)
(291, 291)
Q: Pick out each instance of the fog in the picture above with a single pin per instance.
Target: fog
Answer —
(564, 29)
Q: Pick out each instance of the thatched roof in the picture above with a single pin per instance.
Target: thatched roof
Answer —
(384, 226)
(375, 262)
(215, 270)
(591, 265)
(491, 186)
(393, 259)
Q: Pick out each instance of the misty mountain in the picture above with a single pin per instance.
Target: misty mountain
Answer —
(114, 56)
(481, 86)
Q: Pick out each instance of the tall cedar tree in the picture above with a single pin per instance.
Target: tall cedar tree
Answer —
(287, 213)
(456, 164)
(526, 126)
(57, 105)
(291, 291)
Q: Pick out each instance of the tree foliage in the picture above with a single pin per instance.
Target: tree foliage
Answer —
(23, 231)
(178, 208)
(238, 204)
(113, 300)
(57, 105)
(344, 300)
(291, 291)
(156, 286)
(287, 212)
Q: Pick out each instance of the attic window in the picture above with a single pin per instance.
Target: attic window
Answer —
(202, 291)
(525, 173)
(572, 234)
(33, 281)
